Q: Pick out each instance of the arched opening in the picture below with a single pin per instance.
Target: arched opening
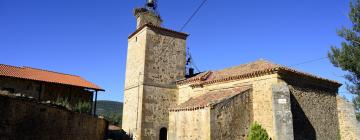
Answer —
(163, 134)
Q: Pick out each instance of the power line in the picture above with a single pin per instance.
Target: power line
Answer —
(193, 15)
(309, 61)
(184, 25)
(187, 22)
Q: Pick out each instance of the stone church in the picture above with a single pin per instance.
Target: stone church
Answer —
(163, 102)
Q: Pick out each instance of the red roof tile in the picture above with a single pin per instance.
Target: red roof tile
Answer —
(253, 69)
(46, 76)
(210, 99)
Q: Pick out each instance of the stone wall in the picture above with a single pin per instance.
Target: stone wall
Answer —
(144, 16)
(314, 113)
(349, 128)
(155, 110)
(262, 98)
(44, 91)
(190, 125)
(282, 112)
(155, 60)
(164, 65)
(131, 120)
(22, 118)
(231, 119)
(134, 77)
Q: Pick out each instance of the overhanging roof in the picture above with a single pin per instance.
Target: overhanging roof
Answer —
(46, 76)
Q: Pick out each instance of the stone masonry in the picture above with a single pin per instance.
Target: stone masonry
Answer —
(347, 119)
(156, 60)
(289, 104)
(28, 119)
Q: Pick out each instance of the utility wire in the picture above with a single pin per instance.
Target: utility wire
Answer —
(309, 61)
(193, 15)
(185, 24)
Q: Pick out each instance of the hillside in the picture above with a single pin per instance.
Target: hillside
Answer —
(106, 107)
(111, 110)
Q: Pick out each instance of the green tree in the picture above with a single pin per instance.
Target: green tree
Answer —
(257, 132)
(63, 102)
(82, 107)
(113, 118)
(347, 57)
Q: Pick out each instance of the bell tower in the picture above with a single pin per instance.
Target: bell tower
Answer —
(148, 15)
(156, 59)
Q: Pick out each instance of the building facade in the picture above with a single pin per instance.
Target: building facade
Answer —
(160, 103)
(45, 85)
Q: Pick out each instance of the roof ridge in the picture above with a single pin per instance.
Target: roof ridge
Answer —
(261, 67)
(27, 67)
(11, 66)
(37, 74)
(252, 62)
(157, 27)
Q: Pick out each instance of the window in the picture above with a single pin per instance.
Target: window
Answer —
(163, 134)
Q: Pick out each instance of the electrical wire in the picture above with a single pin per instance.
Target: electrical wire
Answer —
(184, 25)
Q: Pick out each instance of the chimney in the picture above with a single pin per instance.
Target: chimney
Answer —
(191, 72)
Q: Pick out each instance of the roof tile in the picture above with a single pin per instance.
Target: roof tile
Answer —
(260, 67)
(45, 76)
(210, 99)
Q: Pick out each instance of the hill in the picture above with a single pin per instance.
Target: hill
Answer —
(106, 107)
(111, 110)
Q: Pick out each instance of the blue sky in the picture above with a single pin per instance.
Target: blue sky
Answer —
(89, 37)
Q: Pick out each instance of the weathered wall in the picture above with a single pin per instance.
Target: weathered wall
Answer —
(131, 120)
(165, 59)
(155, 61)
(314, 113)
(349, 129)
(190, 125)
(134, 77)
(26, 119)
(261, 97)
(156, 104)
(146, 17)
(282, 112)
(231, 119)
(164, 64)
(45, 91)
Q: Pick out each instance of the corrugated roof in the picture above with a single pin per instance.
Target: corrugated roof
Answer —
(46, 76)
(260, 67)
(210, 99)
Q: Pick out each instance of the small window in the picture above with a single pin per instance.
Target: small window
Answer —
(163, 134)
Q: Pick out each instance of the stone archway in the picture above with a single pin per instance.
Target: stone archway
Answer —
(163, 134)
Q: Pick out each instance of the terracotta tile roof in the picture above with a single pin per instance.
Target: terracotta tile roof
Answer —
(210, 99)
(46, 76)
(253, 69)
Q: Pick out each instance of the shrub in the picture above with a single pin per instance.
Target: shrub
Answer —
(257, 132)
(113, 118)
(63, 102)
(82, 107)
